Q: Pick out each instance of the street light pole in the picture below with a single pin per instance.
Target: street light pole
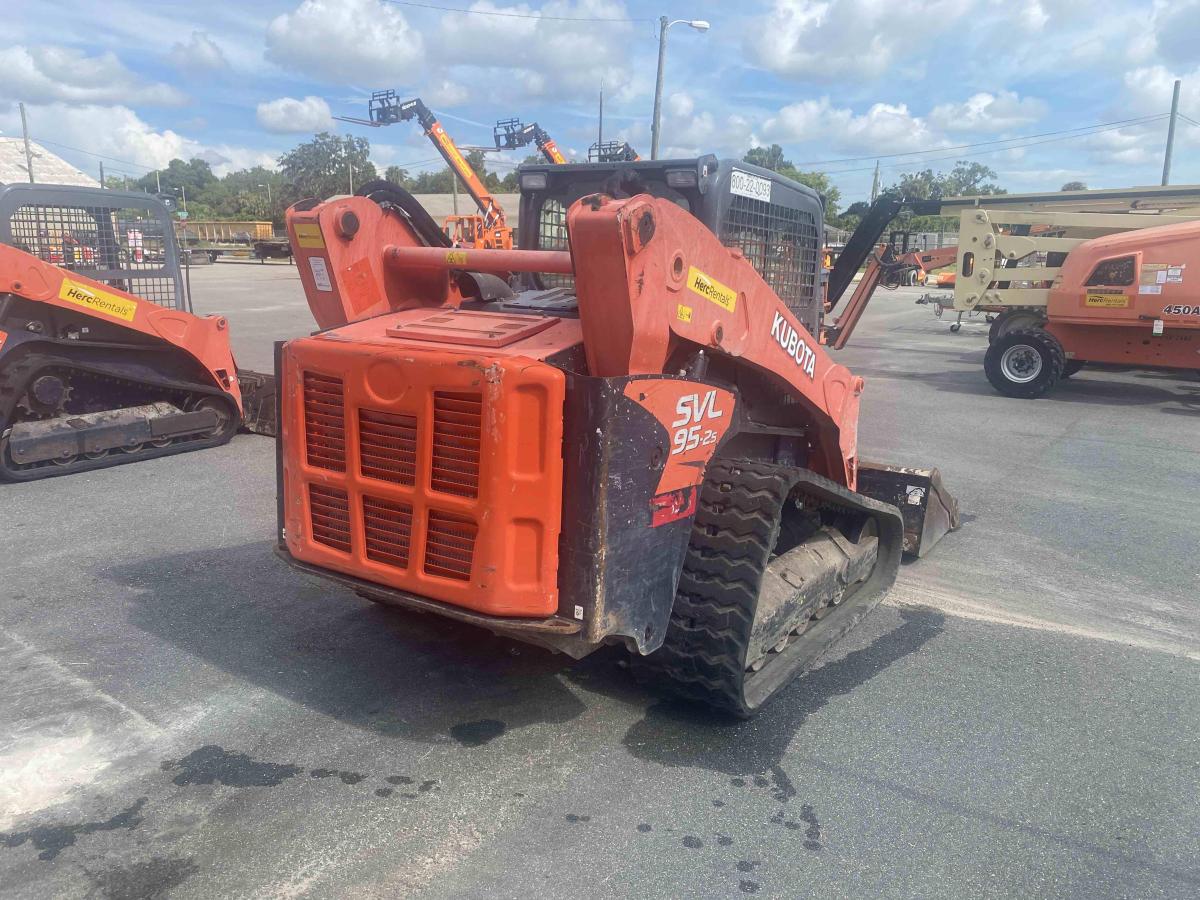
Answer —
(663, 27)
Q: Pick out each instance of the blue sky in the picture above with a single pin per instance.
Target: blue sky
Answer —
(838, 83)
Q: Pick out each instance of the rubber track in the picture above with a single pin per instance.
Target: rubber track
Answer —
(736, 526)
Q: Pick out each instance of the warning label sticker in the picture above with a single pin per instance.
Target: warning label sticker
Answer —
(1108, 301)
(456, 257)
(308, 235)
(97, 300)
(711, 289)
(683, 313)
(320, 273)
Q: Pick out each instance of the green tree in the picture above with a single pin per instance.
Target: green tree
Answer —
(194, 176)
(323, 166)
(397, 175)
(772, 158)
(1074, 186)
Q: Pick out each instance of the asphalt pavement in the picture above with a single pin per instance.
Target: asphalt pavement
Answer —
(186, 717)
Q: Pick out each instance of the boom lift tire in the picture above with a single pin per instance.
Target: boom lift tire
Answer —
(1014, 320)
(1072, 366)
(1025, 364)
(728, 645)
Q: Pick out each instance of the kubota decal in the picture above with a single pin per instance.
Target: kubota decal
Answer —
(794, 345)
(97, 300)
(711, 289)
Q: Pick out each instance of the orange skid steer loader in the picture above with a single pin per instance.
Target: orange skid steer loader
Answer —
(641, 443)
(101, 363)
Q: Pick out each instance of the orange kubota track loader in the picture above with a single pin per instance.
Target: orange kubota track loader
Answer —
(643, 443)
(91, 373)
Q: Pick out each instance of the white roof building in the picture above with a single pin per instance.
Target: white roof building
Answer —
(47, 168)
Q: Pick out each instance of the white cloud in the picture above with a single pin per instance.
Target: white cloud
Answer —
(132, 144)
(860, 39)
(1177, 32)
(48, 74)
(288, 115)
(884, 127)
(199, 55)
(444, 93)
(985, 112)
(556, 59)
(348, 42)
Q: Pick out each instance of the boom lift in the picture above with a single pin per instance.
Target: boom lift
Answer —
(487, 230)
(1079, 276)
(655, 453)
(101, 362)
(510, 134)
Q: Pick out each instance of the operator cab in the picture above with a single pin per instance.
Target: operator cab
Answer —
(775, 222)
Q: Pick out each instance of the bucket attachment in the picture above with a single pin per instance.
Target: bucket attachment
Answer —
(258, 402)
(927, 507)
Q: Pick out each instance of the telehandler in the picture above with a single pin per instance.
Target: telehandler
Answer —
(640, 442)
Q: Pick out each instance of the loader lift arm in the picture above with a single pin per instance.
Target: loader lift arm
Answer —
(511, 134)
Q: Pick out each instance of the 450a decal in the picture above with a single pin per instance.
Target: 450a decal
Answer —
(692, 412)
(1177, 310)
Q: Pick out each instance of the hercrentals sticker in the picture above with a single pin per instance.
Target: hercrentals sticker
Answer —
(711, 289)
(97, 300)
(794, 345)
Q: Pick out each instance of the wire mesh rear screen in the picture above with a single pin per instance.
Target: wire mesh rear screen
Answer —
(552, 235)
(781, 242)
(123, 247)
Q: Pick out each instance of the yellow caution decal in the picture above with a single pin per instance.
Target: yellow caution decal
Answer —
(1108, 301)
(97, 300)
(683, 313)
(308, 235)
(456, 257)
(711, 289)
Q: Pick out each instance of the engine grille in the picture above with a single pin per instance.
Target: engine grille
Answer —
(457, 422)
(330, 509)
(324, 422)
(387, 446)
(449, 545)
(388, 530)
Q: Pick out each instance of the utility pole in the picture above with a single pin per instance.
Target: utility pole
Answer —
(1166, 179)
(101, 176)
(655, 123)
(350, 165)
(157, 183)
(600, 124)
(875, 183)
(28, 151)
(454, 191)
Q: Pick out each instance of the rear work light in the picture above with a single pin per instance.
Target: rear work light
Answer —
(681, 178)
(534, 181)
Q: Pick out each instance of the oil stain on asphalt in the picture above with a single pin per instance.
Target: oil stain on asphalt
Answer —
(51, 840)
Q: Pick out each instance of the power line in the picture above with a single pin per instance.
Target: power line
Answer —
(513, 15)
(125, 162)
(1189, 120)
(1117, 124)
(913, 162)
